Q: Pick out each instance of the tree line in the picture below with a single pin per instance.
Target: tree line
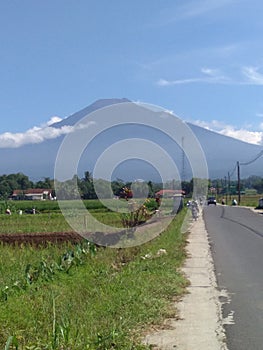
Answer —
(85, 186)
(19, 181)
(223, 186)
(86, 190)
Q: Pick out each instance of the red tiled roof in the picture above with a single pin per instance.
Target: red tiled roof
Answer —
(32, 191)
(169, 192)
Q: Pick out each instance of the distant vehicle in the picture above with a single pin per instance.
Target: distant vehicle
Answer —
(211, 200)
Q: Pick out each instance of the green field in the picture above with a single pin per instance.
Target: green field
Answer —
(71, 297)
(246, 200)
(49, 218)
(250, 200)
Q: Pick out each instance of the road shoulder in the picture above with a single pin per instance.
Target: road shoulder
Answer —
(200, 324)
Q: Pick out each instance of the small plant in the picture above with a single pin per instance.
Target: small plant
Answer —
(136, 216)
(45, 271)
(11, 343)
(8, 205)
(106, 342)
(151, 204)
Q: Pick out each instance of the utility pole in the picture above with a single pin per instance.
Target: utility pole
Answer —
(183, 161)
(225, 189)
(229, 193)
(238, 183)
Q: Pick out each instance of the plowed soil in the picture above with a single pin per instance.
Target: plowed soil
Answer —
(41, 239)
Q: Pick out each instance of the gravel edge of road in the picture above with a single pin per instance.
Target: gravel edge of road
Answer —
(200, 324)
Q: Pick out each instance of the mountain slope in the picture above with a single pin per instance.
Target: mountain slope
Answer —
(74, 118)
(222, 152)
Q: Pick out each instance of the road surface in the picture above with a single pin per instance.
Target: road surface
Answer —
(236, 236)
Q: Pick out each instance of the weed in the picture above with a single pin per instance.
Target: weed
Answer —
(11, 343)
(137, 215)
(59, 298)
(45, 271)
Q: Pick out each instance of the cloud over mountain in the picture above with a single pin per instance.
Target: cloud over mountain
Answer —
(37, 134)
(34, 152)
(242, 134)
(47, 131)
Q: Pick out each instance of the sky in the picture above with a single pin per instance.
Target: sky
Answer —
(200, 59)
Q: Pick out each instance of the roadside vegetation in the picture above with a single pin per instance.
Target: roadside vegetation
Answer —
(250, 200)
(246, 200)
(82, 297)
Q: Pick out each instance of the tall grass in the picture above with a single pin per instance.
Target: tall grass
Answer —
(246, 200)
(250, 200)
(51, 206)
(106, 302)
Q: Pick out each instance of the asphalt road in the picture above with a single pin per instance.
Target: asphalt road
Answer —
(236, 236)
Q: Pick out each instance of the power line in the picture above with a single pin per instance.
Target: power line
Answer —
(246, 163)
(232, 172)
(237, 167)
(253, 160)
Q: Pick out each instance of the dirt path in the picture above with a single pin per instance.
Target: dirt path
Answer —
(201, 324)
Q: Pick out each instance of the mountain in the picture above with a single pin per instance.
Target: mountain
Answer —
(221, 152)
(74, 118)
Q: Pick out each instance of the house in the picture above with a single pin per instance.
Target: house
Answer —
(169, 193)
(32, 194)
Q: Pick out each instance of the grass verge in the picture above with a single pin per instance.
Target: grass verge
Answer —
(106, 301)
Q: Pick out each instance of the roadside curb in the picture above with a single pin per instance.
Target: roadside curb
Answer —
(200, 324)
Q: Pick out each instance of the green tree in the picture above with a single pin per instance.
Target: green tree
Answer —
(5, 189)
(86, 186)
(117, 186)
(45, 183)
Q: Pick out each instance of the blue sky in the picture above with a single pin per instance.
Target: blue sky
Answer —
(201, 59)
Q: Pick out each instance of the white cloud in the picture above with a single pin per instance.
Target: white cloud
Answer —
(253, 76)
(199, 8)
(53, 120)
(210, 72)
(242, 134)
(191, 57)
(38, 134)
(254, 137)
(208, 75)
(164, 82)
(188, 10)
(247, 75)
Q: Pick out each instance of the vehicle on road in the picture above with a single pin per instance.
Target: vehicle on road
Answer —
(211, 200)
